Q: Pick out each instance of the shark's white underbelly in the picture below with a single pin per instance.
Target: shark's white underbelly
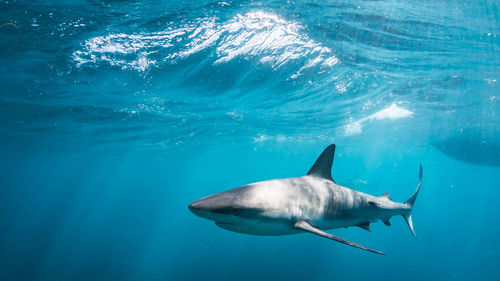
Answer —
(283, 227)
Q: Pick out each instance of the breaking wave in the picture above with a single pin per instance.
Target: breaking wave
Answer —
(255, 35)
(392, 112)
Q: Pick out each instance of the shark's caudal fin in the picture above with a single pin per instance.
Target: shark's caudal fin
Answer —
(411, 201)
(323, 166)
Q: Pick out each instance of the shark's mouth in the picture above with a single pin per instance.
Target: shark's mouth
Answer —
(222, 224)
(240, 228)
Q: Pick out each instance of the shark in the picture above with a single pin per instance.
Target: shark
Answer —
(309, 204)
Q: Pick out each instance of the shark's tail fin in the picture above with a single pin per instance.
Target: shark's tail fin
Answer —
(411, 201)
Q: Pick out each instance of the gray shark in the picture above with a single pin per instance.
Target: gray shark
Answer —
(311, 203)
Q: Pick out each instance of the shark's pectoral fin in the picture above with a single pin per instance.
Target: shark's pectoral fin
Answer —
(305, 226)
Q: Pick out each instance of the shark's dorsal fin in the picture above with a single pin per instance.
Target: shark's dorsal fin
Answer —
(386, 195)
(323, 166)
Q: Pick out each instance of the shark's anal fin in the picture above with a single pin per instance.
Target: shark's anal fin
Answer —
(305, 226)
(365, 226)
(386, 222)
(323, 166)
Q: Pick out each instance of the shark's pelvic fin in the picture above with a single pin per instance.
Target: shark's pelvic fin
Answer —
(365, 226)
(305, 226)
(386, 222)
(323, 166)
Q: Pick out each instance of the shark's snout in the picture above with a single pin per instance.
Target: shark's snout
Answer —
(196, 205)
(200, 208)
(210, 207)
(211, 203)
(220, 206)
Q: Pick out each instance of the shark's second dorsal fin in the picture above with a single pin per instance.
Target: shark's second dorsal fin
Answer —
(386, 195)
(323, 166)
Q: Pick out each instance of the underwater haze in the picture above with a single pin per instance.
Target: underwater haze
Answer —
(115, 115)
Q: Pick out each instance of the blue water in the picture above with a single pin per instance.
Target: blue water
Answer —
(115, 115)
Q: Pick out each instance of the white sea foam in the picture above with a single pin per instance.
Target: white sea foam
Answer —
(262, 35)
(392, 112)
(234, 115)
(353, 128)
(125, 50)
(262, 138)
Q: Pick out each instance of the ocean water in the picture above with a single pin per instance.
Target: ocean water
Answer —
(115, 115)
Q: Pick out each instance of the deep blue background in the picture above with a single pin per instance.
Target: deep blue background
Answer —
(115, 115)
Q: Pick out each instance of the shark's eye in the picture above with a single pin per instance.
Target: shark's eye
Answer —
(236, 212)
